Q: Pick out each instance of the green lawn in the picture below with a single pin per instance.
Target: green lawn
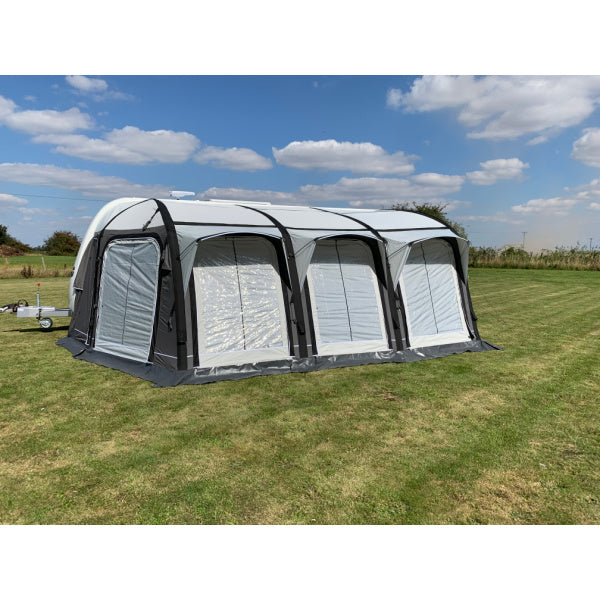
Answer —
(35, 260)
(492, 437)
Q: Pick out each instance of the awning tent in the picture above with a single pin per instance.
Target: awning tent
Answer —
(190, 292)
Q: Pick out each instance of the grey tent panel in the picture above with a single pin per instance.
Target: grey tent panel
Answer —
(429, 283)
(127, 298)
(345, 298)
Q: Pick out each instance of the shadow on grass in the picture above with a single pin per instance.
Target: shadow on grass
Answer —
(38, 329)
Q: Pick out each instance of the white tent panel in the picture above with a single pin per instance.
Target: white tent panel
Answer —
(345, 298)
(388, 219)
(239, 302)
(127, 298)
(430, 290)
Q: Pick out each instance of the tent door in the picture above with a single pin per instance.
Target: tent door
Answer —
(345, 298)
(429, 286)
(240, 308)
(127, 298)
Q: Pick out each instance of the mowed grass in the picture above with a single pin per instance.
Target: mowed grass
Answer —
(35, 260)
(493, 437)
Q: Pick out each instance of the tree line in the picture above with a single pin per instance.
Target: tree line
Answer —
(60, 243)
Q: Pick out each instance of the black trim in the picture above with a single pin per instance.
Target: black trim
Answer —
(327, 228)
(194, 315)
(415, 228)
(178, 287)
(197, 224)
(468, 311)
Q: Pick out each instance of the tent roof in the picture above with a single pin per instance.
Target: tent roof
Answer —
(295, 217)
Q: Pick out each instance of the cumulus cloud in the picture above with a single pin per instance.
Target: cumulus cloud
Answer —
(42, 121)
(7, 107)
(244, 195)
(94, 87)
(558, 207)
(236, 159)
(129, 145)
(87, 183)
(436, 180)
(362, 158)
(86, 84)
(504, 107)
(594, 206)
(587, 148)
(500, 168)
(359, 192)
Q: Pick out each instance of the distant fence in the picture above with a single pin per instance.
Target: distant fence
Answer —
(36, 265)
(570, 259)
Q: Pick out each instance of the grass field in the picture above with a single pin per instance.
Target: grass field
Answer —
(35, 260)
(495, 437)
(55, 266)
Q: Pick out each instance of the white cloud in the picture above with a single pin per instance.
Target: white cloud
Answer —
(86, 84)
(7, 107)
(129, 145)
(9, 202)
(14, 204)
(506, 107)
(500, 168)
(594, 206)
(436, 180)
(242, 194)
(364, 191)
(88, 183)
(587, 148)
(42, 121)
(558, 207)
(236, 159)
(361, 158)
(94, 87)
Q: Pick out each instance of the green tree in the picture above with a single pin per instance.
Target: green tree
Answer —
(62, 243)
(8, 240)
(432, 209)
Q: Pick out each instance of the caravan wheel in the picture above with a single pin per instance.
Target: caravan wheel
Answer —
(45, 323)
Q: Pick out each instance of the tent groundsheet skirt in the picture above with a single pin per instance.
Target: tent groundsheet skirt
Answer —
(163, 377)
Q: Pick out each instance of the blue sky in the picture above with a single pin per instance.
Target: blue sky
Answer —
(506, 154)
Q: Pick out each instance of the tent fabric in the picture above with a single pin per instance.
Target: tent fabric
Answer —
(127, 298)
(240, 308)
(345, 298)
(217, 290)
(430, 288)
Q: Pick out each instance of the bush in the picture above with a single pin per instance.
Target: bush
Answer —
(9, 251)
(62, 243)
